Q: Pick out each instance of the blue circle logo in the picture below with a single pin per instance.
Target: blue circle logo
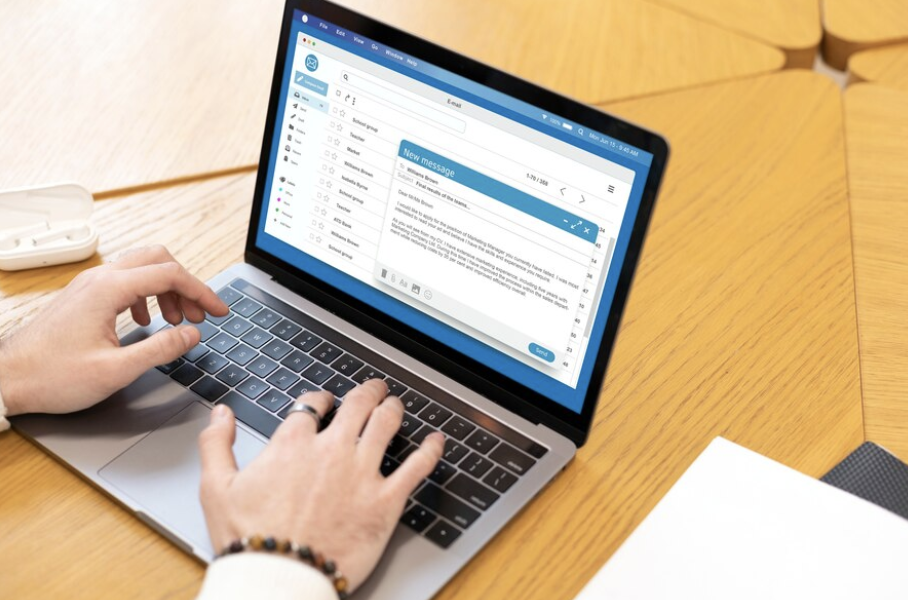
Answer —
(312, 62)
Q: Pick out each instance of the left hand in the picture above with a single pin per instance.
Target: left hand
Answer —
(68, 357)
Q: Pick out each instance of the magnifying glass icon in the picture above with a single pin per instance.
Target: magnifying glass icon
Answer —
(580, 131)
(346, 77)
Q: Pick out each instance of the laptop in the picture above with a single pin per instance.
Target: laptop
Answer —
(420, 217)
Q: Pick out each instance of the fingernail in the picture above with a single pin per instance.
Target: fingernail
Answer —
(219, 413)
(188, 337)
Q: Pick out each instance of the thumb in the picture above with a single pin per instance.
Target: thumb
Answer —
(161, 348)
(216, 448)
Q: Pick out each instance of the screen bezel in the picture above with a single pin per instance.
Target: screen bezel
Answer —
(474, 375)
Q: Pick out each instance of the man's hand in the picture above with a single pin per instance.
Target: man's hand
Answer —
(321, 489)
(68, 357)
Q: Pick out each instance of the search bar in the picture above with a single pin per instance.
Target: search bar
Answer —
(398, 100)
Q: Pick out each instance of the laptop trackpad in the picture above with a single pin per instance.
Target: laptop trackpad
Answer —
(161, 473)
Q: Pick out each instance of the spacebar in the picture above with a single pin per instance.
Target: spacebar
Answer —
(250, 414)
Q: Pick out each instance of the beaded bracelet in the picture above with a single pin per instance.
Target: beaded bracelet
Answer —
(290, 549)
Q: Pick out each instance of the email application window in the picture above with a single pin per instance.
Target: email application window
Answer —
(483, 224)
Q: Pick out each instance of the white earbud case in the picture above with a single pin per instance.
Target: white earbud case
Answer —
(46, 225)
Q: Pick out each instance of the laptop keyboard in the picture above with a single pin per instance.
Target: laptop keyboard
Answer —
(265, 353)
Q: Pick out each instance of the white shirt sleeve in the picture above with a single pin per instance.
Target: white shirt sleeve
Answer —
(259, 575)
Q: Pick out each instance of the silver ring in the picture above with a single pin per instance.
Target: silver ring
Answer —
(302, 407)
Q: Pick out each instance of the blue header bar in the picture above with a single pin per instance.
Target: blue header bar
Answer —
(449, 169)
(544, 121)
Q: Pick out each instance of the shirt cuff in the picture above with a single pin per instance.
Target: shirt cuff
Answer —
(258, 575)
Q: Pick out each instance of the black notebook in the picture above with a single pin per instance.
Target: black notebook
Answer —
(871, 472)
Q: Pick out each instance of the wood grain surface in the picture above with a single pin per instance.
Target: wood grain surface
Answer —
(593, 50)
(854, 25)
(741, 323)
(887, 66)
(790, 25)
(117, 95)
(876, 128)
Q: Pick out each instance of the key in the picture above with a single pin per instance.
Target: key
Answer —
(273, 400)
(262, 366)
(296, 361)
(435, 414)
(326, 352)
(413, 401)
(367, 373)
(437, 500)
(254, 416)
(242, 354)
(347, 365)
(476, 465)
(252, 388)
(306, 341)
(266, 318)
(472, 491)
(236, 326)
(285, 329)
(209, 388)
(186, 374)
(212, 362)
(417, 518)
(515, 460)
(257, 337)
(318, 373)
(443, 534)
(171, 366)
(232, 375)
(246, 307)
(229, 295)
(500, 480)
(277, 349)
(222, 343)
(481, 441)
(282, 379)
(458, 428)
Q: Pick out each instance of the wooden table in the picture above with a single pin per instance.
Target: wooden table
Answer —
(887, 65)
(793, 26)
(854, 25)
(740, 323)
(593, 50)
(121, 95)
(876, 127)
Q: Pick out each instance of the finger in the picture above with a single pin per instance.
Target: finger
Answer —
(192, 311)
(140, 257)
(139, 312)
(157, 279)
(216, 448)
(299, 426)
(161, 348)
(170, 308)
(417, 466)
(357, 407)
(382, 426)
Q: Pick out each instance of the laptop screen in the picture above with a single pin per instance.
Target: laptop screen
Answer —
(491, 225)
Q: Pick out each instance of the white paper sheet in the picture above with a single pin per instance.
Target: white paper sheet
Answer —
(739, 526)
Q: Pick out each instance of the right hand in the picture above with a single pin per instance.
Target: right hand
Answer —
(320, 489)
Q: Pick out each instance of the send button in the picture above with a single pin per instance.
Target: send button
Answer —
(543, 353)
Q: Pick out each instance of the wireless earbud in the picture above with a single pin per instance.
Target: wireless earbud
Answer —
(70, 232)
